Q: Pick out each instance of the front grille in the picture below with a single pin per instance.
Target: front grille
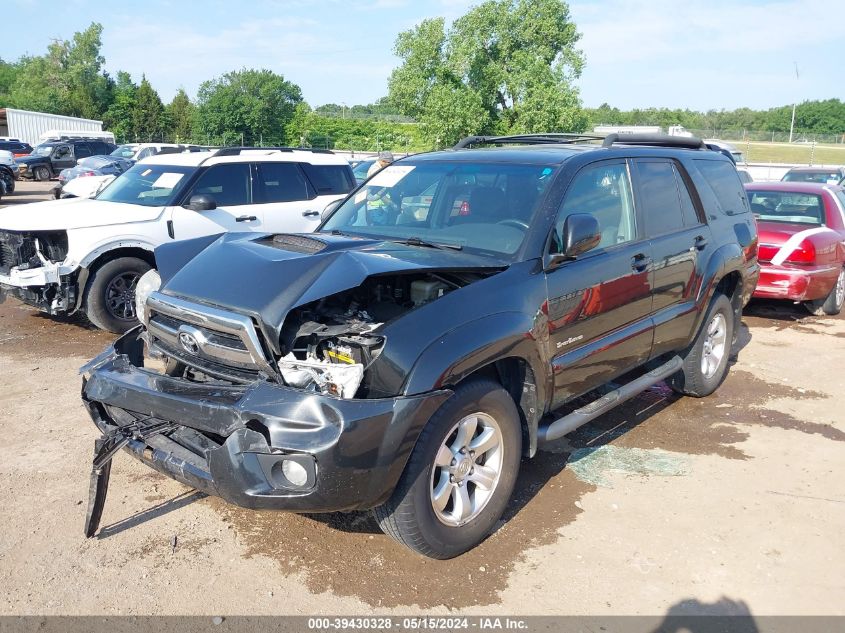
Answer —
(15, 249)
(218, 343)
(19, 248)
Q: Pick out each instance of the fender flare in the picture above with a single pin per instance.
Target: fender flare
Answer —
(725, 260)
(93, 255)
(481, 343)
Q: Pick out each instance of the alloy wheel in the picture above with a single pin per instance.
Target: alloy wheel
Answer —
(120, 296)
(715, 345)
(466, 469)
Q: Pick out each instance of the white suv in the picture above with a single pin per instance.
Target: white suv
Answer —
(88, 254)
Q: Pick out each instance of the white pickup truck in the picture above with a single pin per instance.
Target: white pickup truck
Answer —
(87, 255)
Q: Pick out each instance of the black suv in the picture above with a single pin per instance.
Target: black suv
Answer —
(433, 332)
(48, 159)
(18, 148)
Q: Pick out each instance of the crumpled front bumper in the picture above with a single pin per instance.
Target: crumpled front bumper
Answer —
(50, 287)
(232, 440)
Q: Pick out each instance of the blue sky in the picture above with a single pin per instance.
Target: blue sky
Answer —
(697, 54)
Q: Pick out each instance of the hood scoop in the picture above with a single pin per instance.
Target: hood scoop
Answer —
(296, 243)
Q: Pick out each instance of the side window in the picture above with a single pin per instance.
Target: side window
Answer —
(604, 191)
(691, 217)
(63, 151)
(229, 185)
(82, 150)
(147, 151)
(659, 198)
(725, 184)
(283, 182)
(330, 179)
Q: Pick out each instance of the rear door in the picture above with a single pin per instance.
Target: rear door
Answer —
(230, 185)
(599, 306)
(287, 198)
(679, 238)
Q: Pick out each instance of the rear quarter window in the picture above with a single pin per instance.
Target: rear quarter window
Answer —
(330, 179)
(724, 183)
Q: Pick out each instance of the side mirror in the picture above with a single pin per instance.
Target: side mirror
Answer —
(330, 208)
(201, 202)
(581, 233)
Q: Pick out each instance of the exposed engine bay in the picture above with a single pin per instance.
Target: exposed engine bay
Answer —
(328, 345)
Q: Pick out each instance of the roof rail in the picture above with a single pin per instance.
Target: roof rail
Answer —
(236, 151)
(526, 139)
(654, 140)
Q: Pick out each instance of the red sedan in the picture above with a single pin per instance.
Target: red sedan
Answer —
(801, 229)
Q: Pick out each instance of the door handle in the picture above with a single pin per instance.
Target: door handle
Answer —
(246, 218)
(640, 262)
(310, 214)
(700, 242)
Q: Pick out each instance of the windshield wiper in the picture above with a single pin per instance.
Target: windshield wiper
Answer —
(416, 241)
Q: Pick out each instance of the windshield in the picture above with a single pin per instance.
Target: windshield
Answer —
(827, 177)
(124, 151)
(43, 150)
(483, 207)
(149, 185)
(778, 206)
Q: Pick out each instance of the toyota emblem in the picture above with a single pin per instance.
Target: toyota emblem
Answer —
(189, 343)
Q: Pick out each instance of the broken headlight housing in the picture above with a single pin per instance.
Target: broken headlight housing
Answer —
(149, 283)
(336, 379)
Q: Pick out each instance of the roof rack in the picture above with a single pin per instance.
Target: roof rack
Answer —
(236, 151)
(654, 140)
(526, 139)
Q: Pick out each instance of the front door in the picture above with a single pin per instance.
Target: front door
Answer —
(599, 306)
(62, 157)
(678, 239)
(230, 185)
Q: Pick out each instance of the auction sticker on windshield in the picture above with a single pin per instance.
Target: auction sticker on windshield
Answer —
(167, 180)
(390, 175)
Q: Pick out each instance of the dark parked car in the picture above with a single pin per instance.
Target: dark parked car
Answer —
(48, 159)
(18, 148)
(824, 175)
(406, 359)
(92, 166)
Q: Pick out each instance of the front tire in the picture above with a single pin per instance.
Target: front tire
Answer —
(832, 304)
(706, 360)
(460, 475)
(41, 173)
(110, 299)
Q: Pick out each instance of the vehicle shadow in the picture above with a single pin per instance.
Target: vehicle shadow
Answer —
(165, 507)
(552, 459)
(702, 617)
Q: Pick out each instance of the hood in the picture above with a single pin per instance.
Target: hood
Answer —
(258, 276)
(27, 160)
(73, 213)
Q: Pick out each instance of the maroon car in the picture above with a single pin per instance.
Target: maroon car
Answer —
(801, 229)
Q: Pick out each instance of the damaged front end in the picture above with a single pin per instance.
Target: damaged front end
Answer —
(32, 270)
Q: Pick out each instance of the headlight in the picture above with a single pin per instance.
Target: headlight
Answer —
(149, 282)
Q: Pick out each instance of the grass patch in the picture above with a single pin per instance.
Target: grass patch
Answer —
(758, 152)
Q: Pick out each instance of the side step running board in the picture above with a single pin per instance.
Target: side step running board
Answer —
(594, 409)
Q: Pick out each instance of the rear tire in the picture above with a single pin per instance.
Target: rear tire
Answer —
(706, 360)
(41, 173)
(110, 298)
(832, 304)
(8, 179)
(437, 508)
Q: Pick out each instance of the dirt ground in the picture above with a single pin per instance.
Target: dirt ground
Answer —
(731, 504)
(28, 191)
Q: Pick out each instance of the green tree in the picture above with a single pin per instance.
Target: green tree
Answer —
(505, 66)
(118, 117)
(148, 118)
(180, 114)
(250, 105)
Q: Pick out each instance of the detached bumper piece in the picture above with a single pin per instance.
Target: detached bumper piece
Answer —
(261, 445)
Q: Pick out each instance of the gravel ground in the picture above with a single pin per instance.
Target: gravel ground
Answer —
(727, 504)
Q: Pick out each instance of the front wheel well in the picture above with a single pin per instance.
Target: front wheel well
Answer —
(116, 253)
(518, 379)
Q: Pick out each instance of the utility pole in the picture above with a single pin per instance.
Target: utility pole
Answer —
(794, 101)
